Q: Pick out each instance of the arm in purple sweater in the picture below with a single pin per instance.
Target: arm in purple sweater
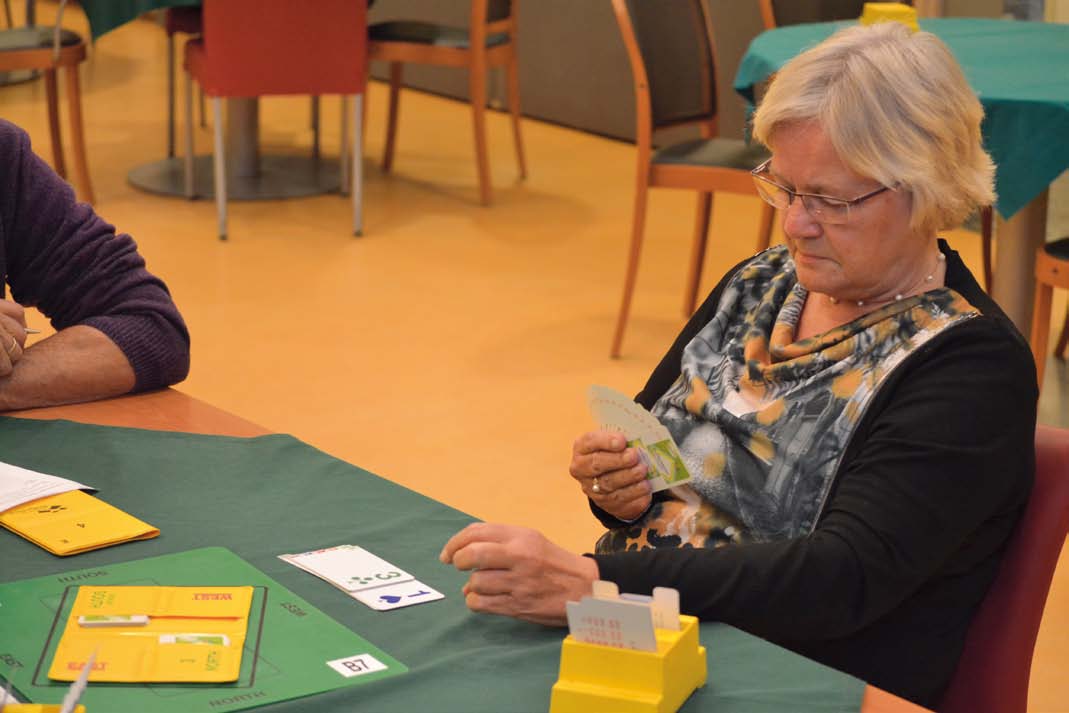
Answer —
(118, 329)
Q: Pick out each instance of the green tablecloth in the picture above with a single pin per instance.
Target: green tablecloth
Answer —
(264, 496)
(106, 15)
(1020, 70)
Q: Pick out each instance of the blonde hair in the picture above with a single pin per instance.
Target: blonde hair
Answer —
(897, 109)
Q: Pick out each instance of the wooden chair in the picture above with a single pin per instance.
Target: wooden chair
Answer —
(1052, 270)
(669, 44)
(490, 41)
(187, 21)
(47, 49)
(253, 48)
(996, 662)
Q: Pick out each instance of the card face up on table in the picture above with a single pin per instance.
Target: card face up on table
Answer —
(54, 513)
(155, 634)
(613, 411)
(365, 577)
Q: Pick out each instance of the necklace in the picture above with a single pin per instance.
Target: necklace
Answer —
(930, 277)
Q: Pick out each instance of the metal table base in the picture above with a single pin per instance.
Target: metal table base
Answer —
(278, 177)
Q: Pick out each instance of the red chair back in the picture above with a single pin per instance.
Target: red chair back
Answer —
(258, 47)
(993, 672)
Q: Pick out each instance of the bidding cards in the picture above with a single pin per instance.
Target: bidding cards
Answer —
(623, 621)
(364, 577)
(613, 411)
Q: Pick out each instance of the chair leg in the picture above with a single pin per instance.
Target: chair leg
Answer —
(220, 165)
(343, 151)
(513, 71)
(358, 172)
(637, 228)
(170, 95)
(203, 114)
(477, 93)
(74, 108)
(52, 94)
(987, 230)
(396, 73)
(697, 251)
(1041, 328)
(188, 173)
(764, 230)
(1063, 340)
(315, 127)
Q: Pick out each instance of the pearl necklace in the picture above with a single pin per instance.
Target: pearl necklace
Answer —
(899, 297)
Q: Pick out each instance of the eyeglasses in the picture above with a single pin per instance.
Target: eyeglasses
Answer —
(825, 209)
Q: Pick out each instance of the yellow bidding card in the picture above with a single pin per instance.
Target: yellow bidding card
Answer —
(74, 522)
(155, 634)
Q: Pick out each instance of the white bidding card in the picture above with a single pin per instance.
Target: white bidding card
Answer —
(618, 623)
(349, 567)
(367, 578)
(395, 596)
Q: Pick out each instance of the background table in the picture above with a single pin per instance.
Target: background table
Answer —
(250, 174)
(1020, 71)
(270, 494)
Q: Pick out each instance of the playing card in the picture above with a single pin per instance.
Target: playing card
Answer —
(650, 439)
(349, 567)
(395, 596)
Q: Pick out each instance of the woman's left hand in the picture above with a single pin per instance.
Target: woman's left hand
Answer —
(517, 572)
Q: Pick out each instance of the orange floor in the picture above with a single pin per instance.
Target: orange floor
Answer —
(450, 348)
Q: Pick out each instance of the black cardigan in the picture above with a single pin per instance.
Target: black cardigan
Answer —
(931, 486)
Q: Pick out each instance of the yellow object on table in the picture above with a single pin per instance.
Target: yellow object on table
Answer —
(154, 634)
(605, 678)
(39, 708)
(889, 12)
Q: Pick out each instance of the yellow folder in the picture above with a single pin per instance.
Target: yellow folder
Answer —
(74, 522)
(155, 634)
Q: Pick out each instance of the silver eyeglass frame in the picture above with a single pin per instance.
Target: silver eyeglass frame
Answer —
(816, 213)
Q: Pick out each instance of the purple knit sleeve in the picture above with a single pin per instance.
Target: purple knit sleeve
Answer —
(62, 258)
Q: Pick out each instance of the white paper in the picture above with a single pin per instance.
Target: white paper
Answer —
(19, 485)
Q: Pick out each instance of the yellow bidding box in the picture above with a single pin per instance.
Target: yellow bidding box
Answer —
(889, 12)
(605, 678)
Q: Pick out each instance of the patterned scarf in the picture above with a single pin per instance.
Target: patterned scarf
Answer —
(763, 421)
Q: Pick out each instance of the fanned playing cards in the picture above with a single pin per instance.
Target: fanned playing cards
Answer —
(614, 411)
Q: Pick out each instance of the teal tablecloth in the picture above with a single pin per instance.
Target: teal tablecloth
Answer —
(1020, 71)
(106, 15)
(264, 496)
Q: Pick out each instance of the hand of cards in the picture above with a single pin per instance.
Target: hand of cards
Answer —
(615, 412)
(364, 577)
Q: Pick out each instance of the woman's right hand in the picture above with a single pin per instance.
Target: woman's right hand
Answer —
(12, 335)
(611, 474)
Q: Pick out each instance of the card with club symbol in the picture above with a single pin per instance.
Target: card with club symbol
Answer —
(364, 576)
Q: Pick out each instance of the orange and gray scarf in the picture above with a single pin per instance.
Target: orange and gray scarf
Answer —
(763, 421)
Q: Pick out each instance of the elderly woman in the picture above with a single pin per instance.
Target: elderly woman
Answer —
(857, 414)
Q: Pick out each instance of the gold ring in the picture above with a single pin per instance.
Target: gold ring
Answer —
(595, 488)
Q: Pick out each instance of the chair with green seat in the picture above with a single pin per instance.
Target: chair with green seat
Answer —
(490, 41)
(670, 47)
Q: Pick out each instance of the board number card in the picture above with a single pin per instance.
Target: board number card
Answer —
(613, 411)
